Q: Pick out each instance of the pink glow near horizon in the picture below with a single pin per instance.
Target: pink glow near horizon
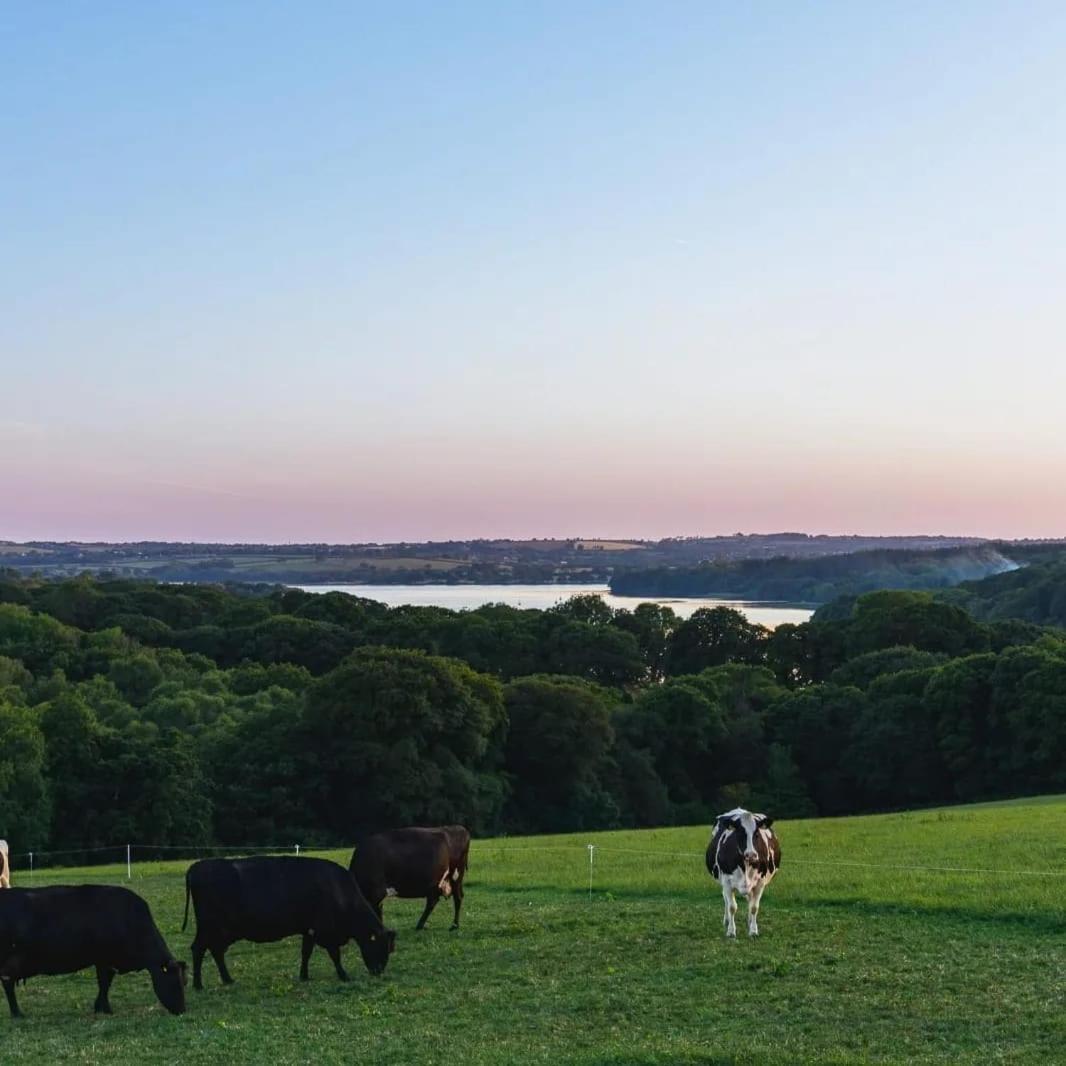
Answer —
(457, 500)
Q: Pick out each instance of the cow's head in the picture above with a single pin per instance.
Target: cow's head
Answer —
(168, 980)
(746, 826)
(376, 945)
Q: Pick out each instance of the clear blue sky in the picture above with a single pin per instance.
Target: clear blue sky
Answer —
(346, 272)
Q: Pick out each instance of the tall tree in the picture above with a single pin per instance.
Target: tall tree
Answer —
(713, 636)
(559, 735)
(402, 737)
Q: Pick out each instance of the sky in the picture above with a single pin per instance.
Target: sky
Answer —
(371, 272)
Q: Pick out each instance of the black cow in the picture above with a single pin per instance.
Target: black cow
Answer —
(267, 899)
(66, 928)
(413, 863)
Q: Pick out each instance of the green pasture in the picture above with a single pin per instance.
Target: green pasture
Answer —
(933, 936)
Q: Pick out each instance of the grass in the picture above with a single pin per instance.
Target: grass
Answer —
(856, 963)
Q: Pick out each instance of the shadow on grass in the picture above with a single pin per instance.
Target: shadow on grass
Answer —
(1042, 922)
(664, 1059)
(1037, 921)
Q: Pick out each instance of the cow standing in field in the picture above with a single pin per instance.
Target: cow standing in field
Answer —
(63, 929)
(5, 865)
(413, 863)
(267, 899)
(744, 854)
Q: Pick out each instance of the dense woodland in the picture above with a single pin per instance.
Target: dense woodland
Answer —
(197, 714)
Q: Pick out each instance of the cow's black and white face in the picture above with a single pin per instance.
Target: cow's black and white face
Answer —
(746, 825)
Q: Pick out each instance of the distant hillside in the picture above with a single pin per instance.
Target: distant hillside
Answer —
(1035, 593)
(818, 580)
(554, 561)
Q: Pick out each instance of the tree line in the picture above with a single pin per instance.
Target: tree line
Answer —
(187, 715)
(820, 579)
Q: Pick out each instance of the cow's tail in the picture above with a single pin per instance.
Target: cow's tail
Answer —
(185, 920)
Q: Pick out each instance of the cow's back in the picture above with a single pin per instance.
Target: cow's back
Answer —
(63, 928)
(267, 898)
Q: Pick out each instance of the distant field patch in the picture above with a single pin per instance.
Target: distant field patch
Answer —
(609, 545)
(886, 939)
(332, 563)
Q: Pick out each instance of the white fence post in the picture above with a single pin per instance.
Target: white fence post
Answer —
(31, 865)
(592, 852)
(129, 864)
(297, 849)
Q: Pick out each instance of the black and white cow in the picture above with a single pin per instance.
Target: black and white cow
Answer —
(743, 855)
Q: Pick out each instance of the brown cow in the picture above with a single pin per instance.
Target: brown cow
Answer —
(5, 866)
(413, 863)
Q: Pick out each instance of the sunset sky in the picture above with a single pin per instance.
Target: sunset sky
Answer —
(346, 272)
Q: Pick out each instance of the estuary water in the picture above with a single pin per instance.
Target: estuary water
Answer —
(467, 597)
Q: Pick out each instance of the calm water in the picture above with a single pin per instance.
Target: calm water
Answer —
(466, 597)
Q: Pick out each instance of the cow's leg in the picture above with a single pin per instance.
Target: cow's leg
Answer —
(306, 948)
(104, 976)
(218, 953)
(9, 991)
(457, 899)
(431, 902)
(198, 951)
(729, 920)
(753, 908)
(335, 955)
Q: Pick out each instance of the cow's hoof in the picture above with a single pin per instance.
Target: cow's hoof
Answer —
(453, 929)
(304, 977)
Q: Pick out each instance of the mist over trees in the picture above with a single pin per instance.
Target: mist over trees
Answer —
(193, 714)
(819, 579)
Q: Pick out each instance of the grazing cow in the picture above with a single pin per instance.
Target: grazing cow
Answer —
(267, 899)
(413, 863)
(66, 928)
(744, 854)
(5, 865)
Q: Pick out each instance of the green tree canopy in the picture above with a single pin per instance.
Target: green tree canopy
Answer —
(403, 737)
(559, 737)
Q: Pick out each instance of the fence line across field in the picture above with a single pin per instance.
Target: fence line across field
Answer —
(489, 849)
(835, 863)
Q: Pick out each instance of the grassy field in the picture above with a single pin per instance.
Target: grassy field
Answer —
(882, 941)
